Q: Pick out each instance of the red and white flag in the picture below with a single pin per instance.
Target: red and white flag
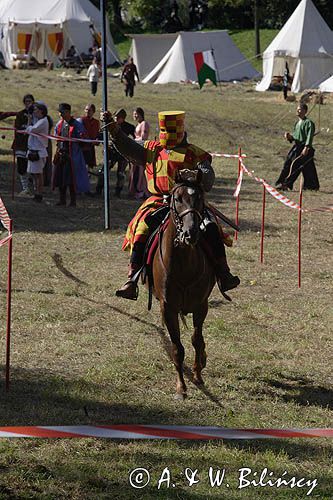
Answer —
(205, 65)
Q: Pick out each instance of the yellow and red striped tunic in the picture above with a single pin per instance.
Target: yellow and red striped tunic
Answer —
(160, 169)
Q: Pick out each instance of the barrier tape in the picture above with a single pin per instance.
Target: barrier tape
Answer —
(224, 155)
(50, 136)
(4, 217)
(239, 183)
(274, 192)
(5, 240)
(67, 139)
(159, 432)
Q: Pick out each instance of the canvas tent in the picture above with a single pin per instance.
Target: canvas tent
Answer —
(46, 29)
(148, 50)
(177, 64)
(327, 85)
(306, 43)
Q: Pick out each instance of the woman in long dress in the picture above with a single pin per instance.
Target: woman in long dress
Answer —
(137, 180)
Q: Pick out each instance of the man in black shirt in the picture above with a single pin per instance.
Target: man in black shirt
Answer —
(116, 157)
(128, 74)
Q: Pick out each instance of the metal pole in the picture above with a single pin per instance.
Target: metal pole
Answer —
(104, 108)
(9, 302)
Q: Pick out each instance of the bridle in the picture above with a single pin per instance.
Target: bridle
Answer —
(179, 216)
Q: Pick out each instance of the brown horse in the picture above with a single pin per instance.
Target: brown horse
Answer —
(183, 276)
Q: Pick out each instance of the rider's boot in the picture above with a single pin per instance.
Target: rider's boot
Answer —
(130, 289)
(225, 280)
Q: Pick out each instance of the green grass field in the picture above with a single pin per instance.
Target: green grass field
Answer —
(82, 356)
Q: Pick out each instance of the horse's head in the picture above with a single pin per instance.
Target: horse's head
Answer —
(187, 206)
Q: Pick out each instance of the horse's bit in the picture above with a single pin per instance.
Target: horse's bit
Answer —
(178, 217)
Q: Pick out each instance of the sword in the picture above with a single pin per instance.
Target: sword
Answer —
(223, 217)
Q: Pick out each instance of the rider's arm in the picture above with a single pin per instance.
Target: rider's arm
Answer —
(208, 177)
(126, 146)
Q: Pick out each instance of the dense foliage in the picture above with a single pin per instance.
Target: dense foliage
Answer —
(154, 15)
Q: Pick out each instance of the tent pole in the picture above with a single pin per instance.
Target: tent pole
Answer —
(217, 71)
(104, 108)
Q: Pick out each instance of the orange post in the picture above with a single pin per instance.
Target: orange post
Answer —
(9, 303)
(13, 174)
(300, 232)
(263, 224)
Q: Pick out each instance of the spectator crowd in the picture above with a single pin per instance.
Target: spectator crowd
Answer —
(68, 164)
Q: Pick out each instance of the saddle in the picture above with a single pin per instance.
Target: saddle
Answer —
(157, 223)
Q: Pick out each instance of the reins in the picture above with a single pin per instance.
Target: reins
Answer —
(178, 222)
(178, 217)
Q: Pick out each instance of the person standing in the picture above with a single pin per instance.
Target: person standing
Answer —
(137, 180)
(92, 127)
(69, 166)
(93, 75)
(37, 148)
(128, 75)
(20, 143)
(300, 158)
(285, 81)
(115, 157)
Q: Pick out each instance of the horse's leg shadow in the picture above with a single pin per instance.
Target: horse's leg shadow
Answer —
(198, 343)
(171, 321)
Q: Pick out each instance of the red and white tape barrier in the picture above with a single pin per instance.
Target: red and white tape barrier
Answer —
(159, 432)
(50, 136)
(239, 183)
(224, 155)
(274, 192)
(68, 139)
(4, 217)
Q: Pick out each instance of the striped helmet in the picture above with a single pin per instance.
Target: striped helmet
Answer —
(172, 128)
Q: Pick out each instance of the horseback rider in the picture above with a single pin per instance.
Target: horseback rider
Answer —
(161, 160)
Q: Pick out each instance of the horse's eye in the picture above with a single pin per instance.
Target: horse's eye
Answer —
(178, 199)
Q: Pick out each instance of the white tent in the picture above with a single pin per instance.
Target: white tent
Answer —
(46, 29)
(178, 65)
(306, 43)
(327, 85)
(148, 50)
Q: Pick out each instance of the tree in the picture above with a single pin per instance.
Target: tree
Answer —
(256, 28)
(114, 11)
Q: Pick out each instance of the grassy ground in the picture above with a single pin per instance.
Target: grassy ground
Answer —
(245, 41)
(81, 356)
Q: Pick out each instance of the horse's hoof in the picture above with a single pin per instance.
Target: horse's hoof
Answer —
(180, 396)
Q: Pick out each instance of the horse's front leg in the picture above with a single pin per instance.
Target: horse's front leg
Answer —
(198, 343)
(171, 321)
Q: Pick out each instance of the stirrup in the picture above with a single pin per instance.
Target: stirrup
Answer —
(126, 288)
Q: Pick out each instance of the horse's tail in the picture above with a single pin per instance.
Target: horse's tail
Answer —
(183, 318)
